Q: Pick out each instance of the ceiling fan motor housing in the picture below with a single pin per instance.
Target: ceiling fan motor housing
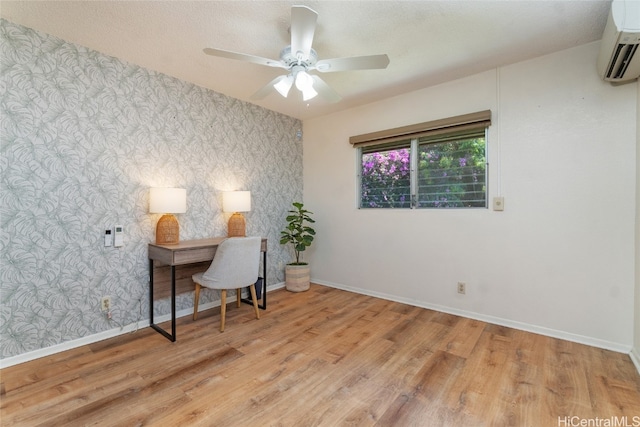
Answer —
(290, 59)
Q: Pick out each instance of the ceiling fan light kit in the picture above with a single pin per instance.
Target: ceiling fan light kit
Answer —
(304, 83)
(283, 86)
(299, 59)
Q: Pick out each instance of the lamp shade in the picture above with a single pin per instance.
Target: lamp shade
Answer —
(236, 201)
(304, 83)
(168, 200)
(303, 80)
(284, 85)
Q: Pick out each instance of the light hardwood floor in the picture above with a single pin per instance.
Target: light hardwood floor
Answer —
(325, 358)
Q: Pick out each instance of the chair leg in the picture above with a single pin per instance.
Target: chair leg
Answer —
(252, 289)
(223, 308)
(196, 299)
(238, 296)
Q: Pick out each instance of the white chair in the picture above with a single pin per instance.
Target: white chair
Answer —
(235, 266)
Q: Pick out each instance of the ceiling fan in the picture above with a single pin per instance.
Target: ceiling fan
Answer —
(299, 59)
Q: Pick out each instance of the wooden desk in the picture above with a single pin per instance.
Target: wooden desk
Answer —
(191, 253)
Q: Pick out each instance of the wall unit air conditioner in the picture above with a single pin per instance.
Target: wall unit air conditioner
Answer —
(619, 58)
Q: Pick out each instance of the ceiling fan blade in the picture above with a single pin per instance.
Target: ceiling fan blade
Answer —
(266, 89)
(244, 57)
(371, 62)
(303, 25)
(324, 90)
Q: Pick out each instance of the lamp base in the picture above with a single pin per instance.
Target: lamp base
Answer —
(237, 225)
(167, 230)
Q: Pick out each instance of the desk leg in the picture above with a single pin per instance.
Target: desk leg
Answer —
(172, 336)
(264, 284)
(151, 292)
(264, 281)
(173, 303)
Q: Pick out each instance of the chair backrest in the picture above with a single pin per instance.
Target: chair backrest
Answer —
(235, 263)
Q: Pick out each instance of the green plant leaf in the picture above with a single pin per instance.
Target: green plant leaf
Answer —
(297, 233)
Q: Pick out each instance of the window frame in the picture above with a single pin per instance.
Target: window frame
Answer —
(412, 137)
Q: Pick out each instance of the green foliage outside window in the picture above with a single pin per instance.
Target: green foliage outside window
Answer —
(450, 173)
(386, 179)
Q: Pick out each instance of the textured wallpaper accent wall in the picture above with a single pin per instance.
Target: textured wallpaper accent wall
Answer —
(83, 137)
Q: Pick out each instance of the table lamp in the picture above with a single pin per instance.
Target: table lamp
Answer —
(167, 201)
(236, 202)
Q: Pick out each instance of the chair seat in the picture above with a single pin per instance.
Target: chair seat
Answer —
(201, 280)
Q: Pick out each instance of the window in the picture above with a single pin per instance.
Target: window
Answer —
(452, 173)
(438, 164)
(385, 178)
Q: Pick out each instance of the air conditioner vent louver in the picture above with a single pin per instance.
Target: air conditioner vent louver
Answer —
(619, 59)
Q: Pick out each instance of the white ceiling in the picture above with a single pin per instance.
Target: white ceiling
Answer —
(428, 42)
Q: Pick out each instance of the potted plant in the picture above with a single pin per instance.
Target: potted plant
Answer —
(300, 236)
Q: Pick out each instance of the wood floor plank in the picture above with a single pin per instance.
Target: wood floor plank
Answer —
(420, 403)
(475, 396)
(568, 391)
(463, 337)
(324, 357)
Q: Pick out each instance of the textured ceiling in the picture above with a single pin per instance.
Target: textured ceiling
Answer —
(428, 42)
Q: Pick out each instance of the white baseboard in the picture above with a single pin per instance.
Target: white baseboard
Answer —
(635, 358)
(594, 342)
(58, 348)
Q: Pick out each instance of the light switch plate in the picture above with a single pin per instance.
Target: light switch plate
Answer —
(498, 203)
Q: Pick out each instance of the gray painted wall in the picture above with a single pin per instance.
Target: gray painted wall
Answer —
(83, 137)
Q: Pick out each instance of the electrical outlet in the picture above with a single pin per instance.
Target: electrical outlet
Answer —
(462, 288)
(105, 305)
